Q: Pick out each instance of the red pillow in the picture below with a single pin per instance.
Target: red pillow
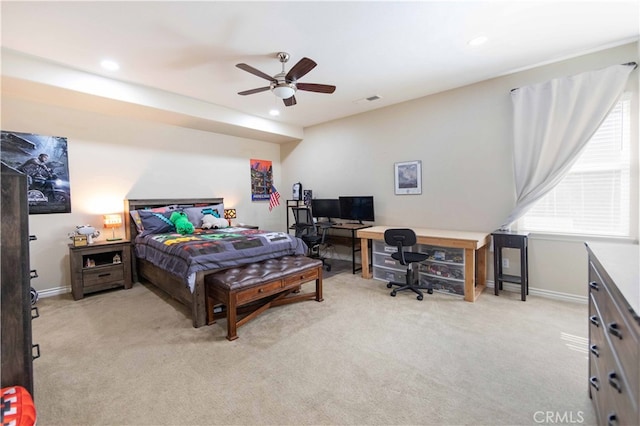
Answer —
(17, 407)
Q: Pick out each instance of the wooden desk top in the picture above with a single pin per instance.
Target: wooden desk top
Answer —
(352, 226)
(436, 237)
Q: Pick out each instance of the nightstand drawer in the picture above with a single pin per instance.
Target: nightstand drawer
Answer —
(103, 275)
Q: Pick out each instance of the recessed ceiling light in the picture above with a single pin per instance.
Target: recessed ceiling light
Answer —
(477, 41)
(110, 65)
(274, 112)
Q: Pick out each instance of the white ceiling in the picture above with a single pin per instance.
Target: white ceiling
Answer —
(396, 50)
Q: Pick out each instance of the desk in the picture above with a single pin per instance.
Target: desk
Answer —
(353, 228)
(473, 243)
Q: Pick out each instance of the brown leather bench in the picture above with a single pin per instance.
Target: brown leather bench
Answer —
(254, 288)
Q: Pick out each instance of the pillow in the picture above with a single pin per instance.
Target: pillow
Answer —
(195, 214)
(135, 214)
(155, 222)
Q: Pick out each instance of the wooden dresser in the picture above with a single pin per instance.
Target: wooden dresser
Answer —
(614, 332)
(15, 300)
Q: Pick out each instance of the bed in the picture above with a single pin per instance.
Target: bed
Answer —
(178, 264)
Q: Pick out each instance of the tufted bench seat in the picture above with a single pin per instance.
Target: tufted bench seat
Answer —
(258, 287)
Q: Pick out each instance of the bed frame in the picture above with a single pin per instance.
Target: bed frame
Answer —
(156, 276)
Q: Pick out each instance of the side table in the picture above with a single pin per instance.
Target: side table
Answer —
(515, 240)
(100, 266)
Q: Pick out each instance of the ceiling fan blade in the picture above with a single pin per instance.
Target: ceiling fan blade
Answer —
(320, 88)
(254, 71)
(252, 91)
(290, 101)
(303, 66)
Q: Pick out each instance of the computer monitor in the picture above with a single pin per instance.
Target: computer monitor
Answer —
(325, 207)
(357, 208)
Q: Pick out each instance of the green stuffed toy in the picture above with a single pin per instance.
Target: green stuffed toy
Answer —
(181, 222)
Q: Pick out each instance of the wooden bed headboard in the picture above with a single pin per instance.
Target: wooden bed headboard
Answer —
(137, 204)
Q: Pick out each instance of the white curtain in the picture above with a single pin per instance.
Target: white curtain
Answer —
(553, 121)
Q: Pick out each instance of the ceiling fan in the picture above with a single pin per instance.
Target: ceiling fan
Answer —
(284, 85)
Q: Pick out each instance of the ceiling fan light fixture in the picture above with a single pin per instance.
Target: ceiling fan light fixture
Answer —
(283, 90)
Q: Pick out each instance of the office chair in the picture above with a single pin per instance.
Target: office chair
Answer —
(402, 237)
(307, 231)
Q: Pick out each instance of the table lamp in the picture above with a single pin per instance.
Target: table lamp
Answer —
(112, 221)
(229, 214)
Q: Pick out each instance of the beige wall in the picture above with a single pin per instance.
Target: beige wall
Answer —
(463, 138)
(113, 158)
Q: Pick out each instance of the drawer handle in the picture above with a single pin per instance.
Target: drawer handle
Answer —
(594, 382)
(104, 275)
(594, 286)
(612, 419)
(614, 382)
(261, 290)
(37, 349)
(594, 350)
(614, 330)
(594, 320)
(37, 314)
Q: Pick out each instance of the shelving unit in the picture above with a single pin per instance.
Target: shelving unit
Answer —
(290, 218)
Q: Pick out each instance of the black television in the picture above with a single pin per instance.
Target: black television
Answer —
(357, 208)
(325, 207)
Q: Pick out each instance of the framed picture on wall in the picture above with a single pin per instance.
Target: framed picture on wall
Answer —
(408, 177)
(43, 159)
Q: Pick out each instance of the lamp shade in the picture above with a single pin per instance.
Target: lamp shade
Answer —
(112, 220)
(229, 213)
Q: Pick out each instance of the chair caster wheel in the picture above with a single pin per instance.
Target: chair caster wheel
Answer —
(389, 285)
(430, 291)
(393, 294)
(420, 297)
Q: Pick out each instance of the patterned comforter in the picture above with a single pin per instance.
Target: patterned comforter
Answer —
(207, 249)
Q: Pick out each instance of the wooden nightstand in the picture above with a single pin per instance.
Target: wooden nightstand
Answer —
(100, 266)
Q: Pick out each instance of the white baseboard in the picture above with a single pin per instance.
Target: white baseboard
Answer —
(54, 291)
(565, 297)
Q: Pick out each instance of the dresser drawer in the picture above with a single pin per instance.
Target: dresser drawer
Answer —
(255, 293)
(596, 285)
(103, 275)
(620, 400)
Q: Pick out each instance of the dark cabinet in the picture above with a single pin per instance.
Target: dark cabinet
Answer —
(17, 355)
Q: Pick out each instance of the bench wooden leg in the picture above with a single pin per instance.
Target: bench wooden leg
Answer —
(319, 288)
(232, 315)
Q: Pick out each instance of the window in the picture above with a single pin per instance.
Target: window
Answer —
(594, 197)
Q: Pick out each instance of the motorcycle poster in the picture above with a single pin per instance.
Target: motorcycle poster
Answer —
(43, 159)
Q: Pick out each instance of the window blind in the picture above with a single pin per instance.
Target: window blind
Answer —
(594, 197)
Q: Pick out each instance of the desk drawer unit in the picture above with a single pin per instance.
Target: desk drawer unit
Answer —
(444, 269)
(385, 268)
(614, 348)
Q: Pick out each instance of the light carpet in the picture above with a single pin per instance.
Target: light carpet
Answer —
(361, 357)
